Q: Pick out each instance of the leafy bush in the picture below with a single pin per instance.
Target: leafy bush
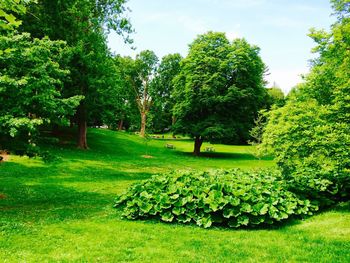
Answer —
(311, 150)
(234, 198)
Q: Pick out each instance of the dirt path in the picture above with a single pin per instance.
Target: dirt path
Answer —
(4, 155)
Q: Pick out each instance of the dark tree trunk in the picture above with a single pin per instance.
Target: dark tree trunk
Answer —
(82, 126)
(71, 122)
(55, 130)
(197, 145)
(120, 125)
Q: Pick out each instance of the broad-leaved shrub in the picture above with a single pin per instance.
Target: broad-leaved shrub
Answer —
(234, 198)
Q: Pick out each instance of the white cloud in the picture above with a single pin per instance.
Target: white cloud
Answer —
(285, 79)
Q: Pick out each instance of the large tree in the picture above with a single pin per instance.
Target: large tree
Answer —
(219, 90)
(83, 24)
(31, 76)
(310, 135)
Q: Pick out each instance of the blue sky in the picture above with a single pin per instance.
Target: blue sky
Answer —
(278, 27)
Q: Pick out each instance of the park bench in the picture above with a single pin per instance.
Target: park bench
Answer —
(170, 146)
(209, 149)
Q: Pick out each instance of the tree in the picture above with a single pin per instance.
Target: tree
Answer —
(31, 75)
(276, 96)
(83, 25)
(163, 89)
(219, 90)
(310, 135)
(139, 74)
(127, 114)
(146, 66)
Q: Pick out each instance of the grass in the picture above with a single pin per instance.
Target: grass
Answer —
(62, 211)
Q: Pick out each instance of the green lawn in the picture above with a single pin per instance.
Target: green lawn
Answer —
(63, 211)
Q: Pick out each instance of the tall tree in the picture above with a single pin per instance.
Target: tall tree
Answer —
(219, 90)
(161, 112)
(128, 114)
(146, 66)
(310, 135)
(83, 25)
(139, 74)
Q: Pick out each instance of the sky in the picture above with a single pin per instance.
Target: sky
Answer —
(278, 27)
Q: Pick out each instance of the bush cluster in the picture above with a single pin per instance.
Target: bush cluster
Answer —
(311, 150)
(234, 198)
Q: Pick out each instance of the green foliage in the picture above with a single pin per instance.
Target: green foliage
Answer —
(31, 76)
(311, 151)
(276, 96)
(162, 93)
(9, 9)
(234, 198)
(219, 89)
(138, 76)
(256, 133)
(83, 25)
(310, 135)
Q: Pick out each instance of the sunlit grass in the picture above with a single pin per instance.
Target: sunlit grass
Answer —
(63, 211)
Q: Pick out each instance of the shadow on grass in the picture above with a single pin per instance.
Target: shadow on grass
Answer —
(281, 225)
(340, 207)
(23, 185)
(220, 155)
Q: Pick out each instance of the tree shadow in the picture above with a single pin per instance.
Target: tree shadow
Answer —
(220, 155)
(33, 195)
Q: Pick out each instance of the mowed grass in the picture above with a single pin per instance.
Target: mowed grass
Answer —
(63, 211)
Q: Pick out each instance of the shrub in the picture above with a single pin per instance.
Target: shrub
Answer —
(310, 135)
(234, 198)
(311, 149)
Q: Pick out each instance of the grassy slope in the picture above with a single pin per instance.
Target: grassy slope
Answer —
(63, 211)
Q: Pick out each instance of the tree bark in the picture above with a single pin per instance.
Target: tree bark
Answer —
(197, 145)
(120, 125)
(82, 127)
(143, 124)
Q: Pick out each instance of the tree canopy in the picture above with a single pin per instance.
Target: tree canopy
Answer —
(219, 90)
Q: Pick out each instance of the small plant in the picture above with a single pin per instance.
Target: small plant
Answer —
(234, 198)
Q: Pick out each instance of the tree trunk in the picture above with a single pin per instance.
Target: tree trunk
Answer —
(120, 125)
(71, 122)
(82, 143)
(143, 124)
(55, 130)
(197, 145)
(82, 127)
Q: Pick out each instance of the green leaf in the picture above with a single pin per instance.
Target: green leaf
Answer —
(167, 217)
(243, 220)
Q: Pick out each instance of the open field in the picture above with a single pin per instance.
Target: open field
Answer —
(63, 211)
